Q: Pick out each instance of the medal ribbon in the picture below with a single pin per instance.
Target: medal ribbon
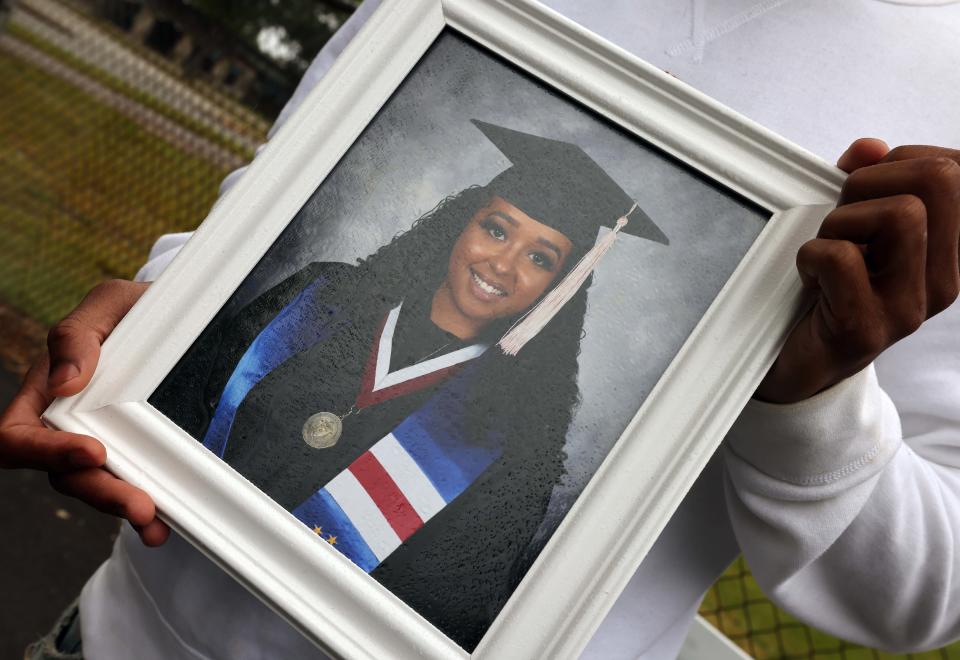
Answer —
(378, 384)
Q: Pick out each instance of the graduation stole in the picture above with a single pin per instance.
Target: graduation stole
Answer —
(407, 477)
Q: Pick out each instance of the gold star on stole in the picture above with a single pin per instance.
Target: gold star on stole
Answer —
(318, 530)
(331, 539)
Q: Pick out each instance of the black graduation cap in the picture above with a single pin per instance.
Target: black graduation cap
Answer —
(558, 184)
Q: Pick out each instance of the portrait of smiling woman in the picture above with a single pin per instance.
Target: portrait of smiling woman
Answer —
(499, 267)
(412, 409)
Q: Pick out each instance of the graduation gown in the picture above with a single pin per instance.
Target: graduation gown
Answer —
(457, 570)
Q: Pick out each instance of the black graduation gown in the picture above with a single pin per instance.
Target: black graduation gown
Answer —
(461, 567)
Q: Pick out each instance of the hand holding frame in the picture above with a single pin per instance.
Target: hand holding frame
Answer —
(885, 260)
(75, 462)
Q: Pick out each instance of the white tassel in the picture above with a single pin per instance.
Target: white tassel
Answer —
(531, 323)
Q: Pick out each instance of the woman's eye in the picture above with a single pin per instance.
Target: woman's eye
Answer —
(542, 260)
(494, 229)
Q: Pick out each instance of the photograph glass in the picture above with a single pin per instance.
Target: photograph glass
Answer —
(433, 359)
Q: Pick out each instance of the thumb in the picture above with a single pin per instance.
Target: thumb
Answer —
(862, 153)
(74, 343)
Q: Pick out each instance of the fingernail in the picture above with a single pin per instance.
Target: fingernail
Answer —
(81, 459)
(62, 373)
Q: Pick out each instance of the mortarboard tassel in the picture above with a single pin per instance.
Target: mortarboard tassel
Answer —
(531, 323)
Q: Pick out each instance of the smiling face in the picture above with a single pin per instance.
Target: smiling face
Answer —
(500, 265)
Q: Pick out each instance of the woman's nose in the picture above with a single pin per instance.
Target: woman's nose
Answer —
(501, 263)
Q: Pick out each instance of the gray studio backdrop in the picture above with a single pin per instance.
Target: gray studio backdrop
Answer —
(645, 299)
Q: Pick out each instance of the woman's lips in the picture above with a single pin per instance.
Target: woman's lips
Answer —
(484, 290)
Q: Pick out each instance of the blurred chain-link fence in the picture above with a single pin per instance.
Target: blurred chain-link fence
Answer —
(117, 123)
(105, 146)
(736, 606)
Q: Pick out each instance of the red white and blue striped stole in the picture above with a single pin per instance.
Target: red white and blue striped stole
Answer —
(403, 480)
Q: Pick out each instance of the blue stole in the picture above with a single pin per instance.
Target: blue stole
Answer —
(305, 321)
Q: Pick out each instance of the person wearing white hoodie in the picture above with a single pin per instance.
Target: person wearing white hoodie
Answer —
(840, 481)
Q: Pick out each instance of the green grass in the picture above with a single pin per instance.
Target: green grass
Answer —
(84, 191)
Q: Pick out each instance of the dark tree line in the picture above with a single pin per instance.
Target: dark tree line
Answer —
(202, 35)
(308, 23)
(229, 23)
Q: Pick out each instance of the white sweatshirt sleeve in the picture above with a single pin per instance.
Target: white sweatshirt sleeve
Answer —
(848, 520)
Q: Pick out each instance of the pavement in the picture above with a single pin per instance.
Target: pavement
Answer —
(49, 546)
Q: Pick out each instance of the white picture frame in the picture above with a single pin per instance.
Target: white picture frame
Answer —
(566, 593)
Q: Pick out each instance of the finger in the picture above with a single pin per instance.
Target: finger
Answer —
(892, 231)
(106, 493)
(936, 181)
(914, 151)
(847, 304)
(154, 533)
(39, 448)
(893, 235)
(826, 345)
(862, 153)
(31, 400)
(74, 343)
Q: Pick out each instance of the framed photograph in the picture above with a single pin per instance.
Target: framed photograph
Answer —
(433, 376)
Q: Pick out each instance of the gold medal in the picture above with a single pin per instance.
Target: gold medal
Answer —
(322, 430)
